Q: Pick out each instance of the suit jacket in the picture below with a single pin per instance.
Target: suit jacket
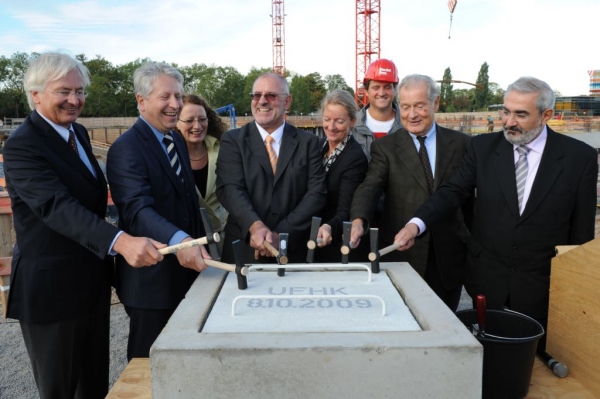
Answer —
(152, 202)
(285, 203)
(60, 263)
(343, 177)
(509, 254)
(396, 169)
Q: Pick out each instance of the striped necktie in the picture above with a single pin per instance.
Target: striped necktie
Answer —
(271, 152)
(521, 169)
(172, 152)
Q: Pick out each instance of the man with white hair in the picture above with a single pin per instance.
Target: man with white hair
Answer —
(536, 189)
(60, 291)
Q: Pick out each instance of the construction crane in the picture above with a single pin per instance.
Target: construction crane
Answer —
(278, 16)
(460, 81)
(367, 42)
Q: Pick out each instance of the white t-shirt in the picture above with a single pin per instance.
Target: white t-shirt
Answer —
(379, 128)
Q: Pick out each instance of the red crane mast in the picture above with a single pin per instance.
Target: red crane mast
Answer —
(278, 16)
(367, 42)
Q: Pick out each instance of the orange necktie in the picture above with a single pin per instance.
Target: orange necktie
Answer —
(272, 154)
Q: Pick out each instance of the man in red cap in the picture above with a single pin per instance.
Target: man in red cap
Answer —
(380, 117)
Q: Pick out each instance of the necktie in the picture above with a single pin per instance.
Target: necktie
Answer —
(425, 161)
(521, 169)
(172, 152)
(72, 142)
(271, 152)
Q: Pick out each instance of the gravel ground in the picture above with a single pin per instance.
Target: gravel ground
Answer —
(16, 378)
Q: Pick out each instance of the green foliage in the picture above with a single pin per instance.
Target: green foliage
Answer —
(13, 101)
(446, 91)
(480, 100)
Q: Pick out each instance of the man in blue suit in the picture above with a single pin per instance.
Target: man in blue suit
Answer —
(153, 188)
(62, 268)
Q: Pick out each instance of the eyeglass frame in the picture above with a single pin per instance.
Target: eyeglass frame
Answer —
(190, 122)
(269, 96)
(80, 94)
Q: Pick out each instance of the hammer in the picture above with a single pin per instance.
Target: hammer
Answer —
(374, 259)
(312, 243)
(280, 255)
(347, 245)
(375, 255)
(213, 248)
(239, 269)
(188, 244)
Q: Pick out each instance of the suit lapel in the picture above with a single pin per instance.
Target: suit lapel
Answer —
(87, 147)
(61, 147)
(289, 142)
(546, 175)
(257, 146)
(157, 149)
(504, 165)
(444, 153)
(408, 155)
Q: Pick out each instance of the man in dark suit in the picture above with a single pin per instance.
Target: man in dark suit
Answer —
(274, 189)
(535, 189)
(153, 188)
(408, 171)
(60, 290)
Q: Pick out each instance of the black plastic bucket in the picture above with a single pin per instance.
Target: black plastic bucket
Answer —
(509, 347)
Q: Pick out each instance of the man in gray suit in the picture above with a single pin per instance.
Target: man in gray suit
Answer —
(408, 166)
(536, 189)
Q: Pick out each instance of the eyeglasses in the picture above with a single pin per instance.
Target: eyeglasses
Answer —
(520, 116)
(268, 96)
(190, 122)
(81, 94)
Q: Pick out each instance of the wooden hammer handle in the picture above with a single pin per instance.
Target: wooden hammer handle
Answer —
(225, 266)
(271, 248)
(188, 244)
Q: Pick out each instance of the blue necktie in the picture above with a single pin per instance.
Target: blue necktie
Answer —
(172, 152)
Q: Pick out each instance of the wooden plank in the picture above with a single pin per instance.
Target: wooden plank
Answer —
(5, 253)
(545, 385)
(134, 382)
(574, 313)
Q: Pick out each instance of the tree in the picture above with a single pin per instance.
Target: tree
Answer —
(496, 94)
(446, 91)
(12, 72)
(333, 82)
(482, 90)
(461, 101)
(302, 99)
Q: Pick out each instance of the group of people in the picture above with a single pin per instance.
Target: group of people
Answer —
(485, 211)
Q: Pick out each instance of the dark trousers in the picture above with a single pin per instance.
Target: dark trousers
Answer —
(433, 278)
(70, 359)
(144, 327)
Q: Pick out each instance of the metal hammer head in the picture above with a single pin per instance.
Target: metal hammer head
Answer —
(374, 255)
(213, 247)
(282, 258)
(312, 242)
(238, 254)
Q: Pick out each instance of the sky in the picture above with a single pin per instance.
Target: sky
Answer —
(556, 41)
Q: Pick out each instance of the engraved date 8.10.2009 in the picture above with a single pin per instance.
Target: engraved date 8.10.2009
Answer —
(309, 303)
